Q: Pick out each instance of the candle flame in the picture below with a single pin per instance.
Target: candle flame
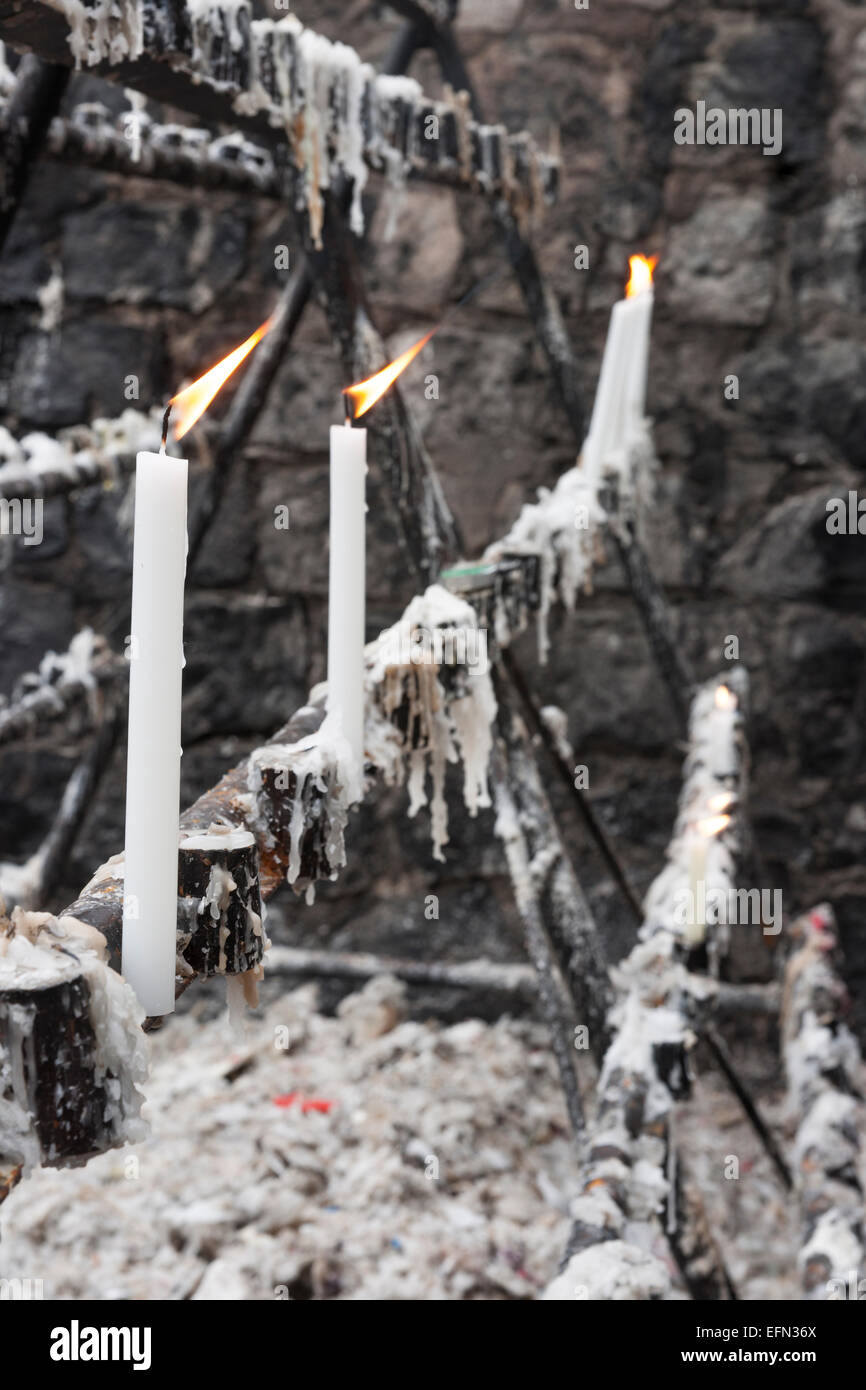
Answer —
(640, 277)
(712, 825)
(722, 801)
(192, 402)
(365, 394)
(725, 698)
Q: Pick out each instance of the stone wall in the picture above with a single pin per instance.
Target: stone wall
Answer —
(761, 276)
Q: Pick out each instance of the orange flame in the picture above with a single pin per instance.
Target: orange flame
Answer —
(640, 276)
(722, 801)
(192, 402)
(725, 698)
(713, 825)
(366, 393)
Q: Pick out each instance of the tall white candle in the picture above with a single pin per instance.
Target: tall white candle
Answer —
(638, 370)
(620, 398)
(347, 583)
(605, 430)
(696, 923)
(153, 758)
(722, 733)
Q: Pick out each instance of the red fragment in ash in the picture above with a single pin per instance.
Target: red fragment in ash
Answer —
(307, 1103)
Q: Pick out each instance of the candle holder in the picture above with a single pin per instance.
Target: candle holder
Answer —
(220, 902)
(301, 811)
(70, 1033)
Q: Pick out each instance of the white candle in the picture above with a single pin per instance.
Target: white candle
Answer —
(696, 923)
(347, 584)
(620, 398)
(153, 758)
(639, 368)
(605, 428)
(722, 733)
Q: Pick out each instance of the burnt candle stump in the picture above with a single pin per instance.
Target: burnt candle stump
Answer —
(220, 905)
(295, 808)
(72, 1053)
(47, 1034)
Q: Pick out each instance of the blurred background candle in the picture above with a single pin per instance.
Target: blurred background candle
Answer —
(620, 397)
(722, 729)
(639, 296)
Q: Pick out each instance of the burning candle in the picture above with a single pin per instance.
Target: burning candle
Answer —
(347, 564)
(640, 299)
(156, 662)
(621, 393)
(706, 830)
(721, 730)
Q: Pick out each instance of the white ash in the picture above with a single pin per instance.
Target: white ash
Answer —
(375, 1010)
(751, 1215)
(344, 1203)
(339, 1203)
(613, 1271)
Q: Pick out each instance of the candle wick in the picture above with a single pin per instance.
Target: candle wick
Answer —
(165, 420)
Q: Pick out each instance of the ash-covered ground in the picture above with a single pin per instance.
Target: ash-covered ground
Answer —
(377, 1158)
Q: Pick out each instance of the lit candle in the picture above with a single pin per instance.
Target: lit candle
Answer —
(721, 729)
(696, 924)
(706, 830)
(347, 566)
(155, 676)
(347, 583)
(621, 393)
(641, 303)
